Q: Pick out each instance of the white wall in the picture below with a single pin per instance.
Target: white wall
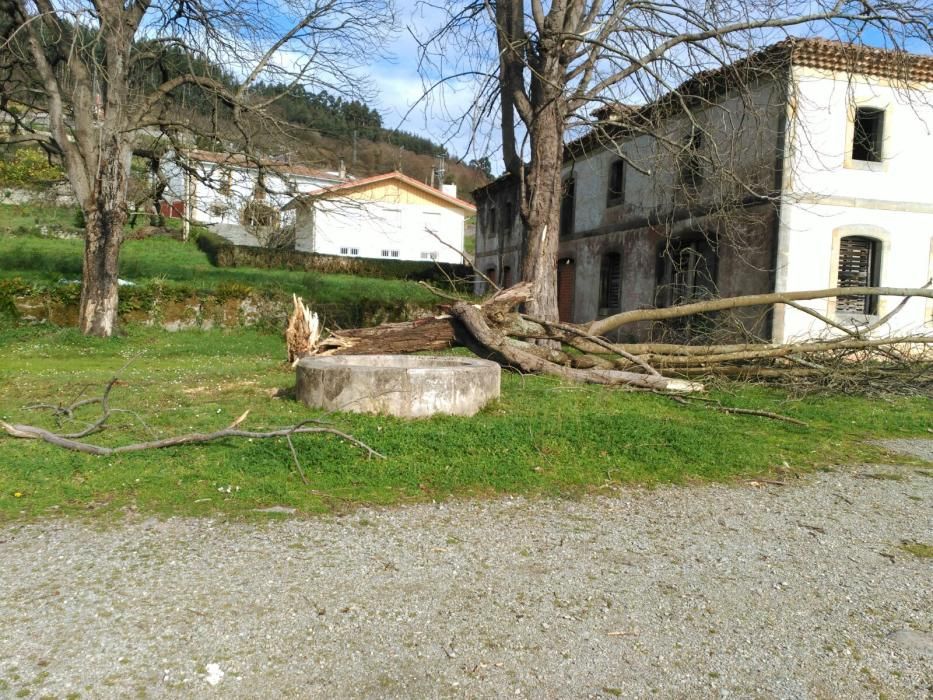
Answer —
(210, 204)
(374, 227)
(827, 195)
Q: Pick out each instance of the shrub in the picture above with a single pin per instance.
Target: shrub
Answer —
(210, 243)
(29, 167)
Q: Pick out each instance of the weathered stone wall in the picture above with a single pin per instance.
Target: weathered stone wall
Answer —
(206, 311)
(744, 243)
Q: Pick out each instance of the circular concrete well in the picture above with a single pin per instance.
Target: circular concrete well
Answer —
(410, 386)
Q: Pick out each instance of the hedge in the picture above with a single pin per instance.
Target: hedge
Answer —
(222, 253)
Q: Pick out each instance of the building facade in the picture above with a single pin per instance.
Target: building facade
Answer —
(799, 168)
(388, 216)
(238, 198)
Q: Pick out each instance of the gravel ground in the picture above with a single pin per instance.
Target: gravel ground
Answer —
(749, 591)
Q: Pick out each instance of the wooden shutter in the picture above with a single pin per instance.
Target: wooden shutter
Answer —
(856, 268)
(610, 283)
(565, 283)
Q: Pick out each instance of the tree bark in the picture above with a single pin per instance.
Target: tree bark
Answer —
(438, 333)
(105, 213)
(542, 203)
(611, 323)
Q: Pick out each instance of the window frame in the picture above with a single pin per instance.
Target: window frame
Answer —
(874, 152)
(871, 277)
(690, 173)
(675, 285)
(615, 188)
(568, 206)
(605, 306)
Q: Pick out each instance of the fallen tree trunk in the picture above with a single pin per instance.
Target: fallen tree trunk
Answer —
(577, 352)
(474, 320)
(436, 333)
(611, 323)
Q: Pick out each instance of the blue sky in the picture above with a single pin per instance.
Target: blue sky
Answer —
(400, 89)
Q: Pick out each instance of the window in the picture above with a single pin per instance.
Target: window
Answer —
(691, 164)
(567, 204)
(506, 277)
(429, 255)
(858, 267)
(686, 271)
(868, 134)
(394, 253)
(507, 218)
(490, 275)
(610, 284)
(354, 251)
(344, 251)
(491, 220)
(616, 192)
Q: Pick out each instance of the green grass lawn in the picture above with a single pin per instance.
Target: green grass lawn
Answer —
(48, 260)
(542, 437)
(31, 217)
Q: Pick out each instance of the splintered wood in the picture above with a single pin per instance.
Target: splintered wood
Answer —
(303, 332)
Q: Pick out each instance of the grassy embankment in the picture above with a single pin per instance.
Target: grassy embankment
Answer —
(170, 262)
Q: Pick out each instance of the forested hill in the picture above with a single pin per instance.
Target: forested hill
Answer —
(329, 129)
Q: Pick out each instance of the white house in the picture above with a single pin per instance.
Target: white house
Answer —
(804, 166)
(385, 216)
(857, 205)
(235, 195)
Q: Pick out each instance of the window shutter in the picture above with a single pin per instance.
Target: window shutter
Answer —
(856, 265)
(610, 283)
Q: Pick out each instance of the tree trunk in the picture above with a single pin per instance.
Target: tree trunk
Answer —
(105, 214)
(99, 290)
(437, 333)
(542, 224)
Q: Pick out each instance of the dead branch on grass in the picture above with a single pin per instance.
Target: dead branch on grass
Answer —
(73, 441)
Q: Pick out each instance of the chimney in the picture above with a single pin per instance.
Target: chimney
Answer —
(450, 190)
(440, 169)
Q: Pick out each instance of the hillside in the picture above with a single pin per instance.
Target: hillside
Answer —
(322, 129)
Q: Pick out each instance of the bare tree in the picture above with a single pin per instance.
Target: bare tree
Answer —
(545, 68)
(115, 76)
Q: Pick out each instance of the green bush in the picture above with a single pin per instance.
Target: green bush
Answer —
(28, 167)
(210, 244)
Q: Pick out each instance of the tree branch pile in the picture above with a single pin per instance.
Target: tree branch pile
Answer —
(496, 328)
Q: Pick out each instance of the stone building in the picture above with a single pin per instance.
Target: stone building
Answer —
(801, 167)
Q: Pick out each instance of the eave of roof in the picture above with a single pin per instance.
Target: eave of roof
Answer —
(237, 160)
(819, 53)
(365, 182)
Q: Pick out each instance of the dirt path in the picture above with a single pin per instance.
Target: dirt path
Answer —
(800, 591)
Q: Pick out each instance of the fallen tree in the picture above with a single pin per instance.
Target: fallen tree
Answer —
(496, 328)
